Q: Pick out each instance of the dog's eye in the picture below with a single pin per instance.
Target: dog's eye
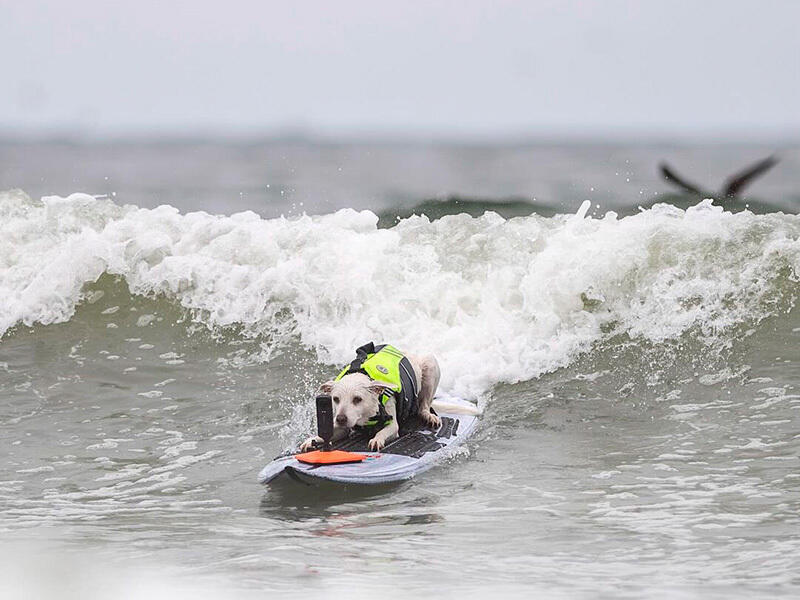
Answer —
(356, 399)
(335, 400)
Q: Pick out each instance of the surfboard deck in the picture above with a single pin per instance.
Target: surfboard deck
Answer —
(416, 450)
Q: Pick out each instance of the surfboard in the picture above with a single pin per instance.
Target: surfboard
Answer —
(417, 449)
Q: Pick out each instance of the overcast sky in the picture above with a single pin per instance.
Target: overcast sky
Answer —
(461, 68)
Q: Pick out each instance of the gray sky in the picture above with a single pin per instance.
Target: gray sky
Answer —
(460, 69)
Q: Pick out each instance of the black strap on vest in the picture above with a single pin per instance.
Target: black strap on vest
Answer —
(362, 354)
(377, 421)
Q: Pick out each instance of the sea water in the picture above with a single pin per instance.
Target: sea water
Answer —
(165, 325)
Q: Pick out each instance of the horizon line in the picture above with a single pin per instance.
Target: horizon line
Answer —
(529, 137)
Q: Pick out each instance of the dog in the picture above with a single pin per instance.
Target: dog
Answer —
(357, 399)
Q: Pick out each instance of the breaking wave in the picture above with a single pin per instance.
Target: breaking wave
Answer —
(436, 208)
(496, 299)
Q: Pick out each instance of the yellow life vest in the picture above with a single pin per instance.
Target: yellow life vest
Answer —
(387, 364)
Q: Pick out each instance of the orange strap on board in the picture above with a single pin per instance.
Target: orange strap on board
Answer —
(330, 457)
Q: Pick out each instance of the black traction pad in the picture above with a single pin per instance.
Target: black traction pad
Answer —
(415, 439)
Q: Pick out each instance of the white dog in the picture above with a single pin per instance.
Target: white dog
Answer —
(357, 400)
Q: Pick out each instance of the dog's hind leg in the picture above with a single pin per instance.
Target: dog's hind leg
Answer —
(429, 381)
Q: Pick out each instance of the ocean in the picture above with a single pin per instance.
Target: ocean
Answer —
(168, 308)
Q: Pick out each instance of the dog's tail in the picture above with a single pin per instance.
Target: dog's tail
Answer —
(455, 408)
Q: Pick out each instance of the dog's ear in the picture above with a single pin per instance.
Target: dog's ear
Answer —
(326, 387)
(378, 387)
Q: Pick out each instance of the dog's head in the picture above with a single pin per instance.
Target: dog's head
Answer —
(355, 398)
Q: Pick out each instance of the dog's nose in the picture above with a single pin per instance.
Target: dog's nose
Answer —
(341, 419)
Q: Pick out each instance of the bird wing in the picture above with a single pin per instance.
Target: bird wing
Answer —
(675, 179)
(738, 181)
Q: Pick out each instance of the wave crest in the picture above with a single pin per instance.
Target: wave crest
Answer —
(496, 300)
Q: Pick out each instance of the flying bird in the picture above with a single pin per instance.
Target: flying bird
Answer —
(733, 185)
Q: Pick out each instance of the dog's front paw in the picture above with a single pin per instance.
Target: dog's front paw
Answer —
(433, 421)
(309, 443)
(376, 444)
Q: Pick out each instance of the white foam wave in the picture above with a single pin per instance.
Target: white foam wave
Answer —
(496, 300)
